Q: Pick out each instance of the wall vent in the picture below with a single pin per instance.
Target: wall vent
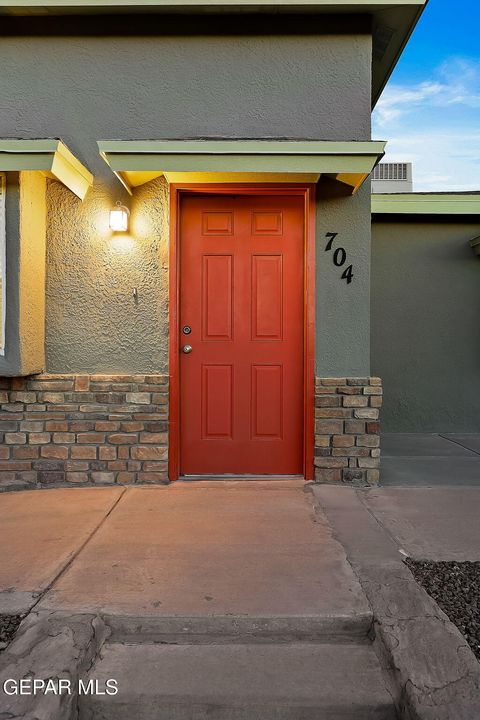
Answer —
(390, 177)
(391, 171)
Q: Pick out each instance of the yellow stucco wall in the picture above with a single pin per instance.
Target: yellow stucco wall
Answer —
(32, 271)
(25, 274)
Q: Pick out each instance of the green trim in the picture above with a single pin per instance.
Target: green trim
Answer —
(49, 156)
(428, 204)
(390, 18)
(259, 5)
(241, 147)
(246, 156)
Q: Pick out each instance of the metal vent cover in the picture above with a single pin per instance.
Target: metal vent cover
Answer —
(391, 171)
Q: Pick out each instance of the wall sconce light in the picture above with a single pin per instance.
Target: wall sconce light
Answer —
(119, 218)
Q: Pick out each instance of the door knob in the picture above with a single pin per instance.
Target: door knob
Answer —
(187, 349)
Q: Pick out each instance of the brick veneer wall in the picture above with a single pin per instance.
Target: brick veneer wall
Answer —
(347, 429)
(83, 429)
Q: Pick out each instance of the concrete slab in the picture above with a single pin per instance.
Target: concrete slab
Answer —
(430, 471)
(40, 533)
(430, 523)
(421, 445)
(241, 682)
(213, 549)
(433, 675)
(471, 441)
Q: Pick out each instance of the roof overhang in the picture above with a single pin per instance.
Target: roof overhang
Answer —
(138, 161)
(393, 20)
(426, 204)
(51, 157)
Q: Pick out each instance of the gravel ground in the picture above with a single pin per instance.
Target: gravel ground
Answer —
(8, 627)
(455, 586)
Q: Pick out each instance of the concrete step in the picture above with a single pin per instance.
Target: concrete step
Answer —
(229, 629)
(295, 681)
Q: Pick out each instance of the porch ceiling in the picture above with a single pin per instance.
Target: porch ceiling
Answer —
(138, 161)
(393, 21)
(49, 156)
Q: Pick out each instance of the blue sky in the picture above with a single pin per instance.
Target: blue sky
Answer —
(430, 110)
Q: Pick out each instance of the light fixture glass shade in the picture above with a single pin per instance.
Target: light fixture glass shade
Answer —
(119, 218)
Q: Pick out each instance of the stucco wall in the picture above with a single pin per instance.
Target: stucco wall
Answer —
(291, 85)
(425, 325)
(84, 89)
(95, 324)
(342, 335)
(25, 277)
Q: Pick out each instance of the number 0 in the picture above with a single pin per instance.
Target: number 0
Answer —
(339, 257)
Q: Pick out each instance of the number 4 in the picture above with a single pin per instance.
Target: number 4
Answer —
(348, 274)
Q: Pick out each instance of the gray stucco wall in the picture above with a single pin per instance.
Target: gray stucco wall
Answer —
(85, 88)
(342, 310)
(425, 325)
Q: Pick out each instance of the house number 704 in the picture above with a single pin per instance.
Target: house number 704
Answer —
(339, 257)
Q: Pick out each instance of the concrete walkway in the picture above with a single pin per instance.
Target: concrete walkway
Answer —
(40, 533)
(430, 523)
(187, 549)
(430, 459)
(224, 599)
(238, 599)
(436, 675)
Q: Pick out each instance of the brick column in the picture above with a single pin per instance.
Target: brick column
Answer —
(347, 429)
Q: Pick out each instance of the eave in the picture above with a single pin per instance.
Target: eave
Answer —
(426, 204)
(393, 21)
(138, 161)
(49, 156)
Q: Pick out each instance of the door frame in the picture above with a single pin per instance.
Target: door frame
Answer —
(307, 191)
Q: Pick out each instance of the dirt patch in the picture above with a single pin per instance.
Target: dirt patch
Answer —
(455, 586)
(9, 625)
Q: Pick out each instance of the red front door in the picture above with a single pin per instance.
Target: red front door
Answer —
(241, 312)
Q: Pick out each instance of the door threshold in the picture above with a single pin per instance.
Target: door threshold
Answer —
(231, 476)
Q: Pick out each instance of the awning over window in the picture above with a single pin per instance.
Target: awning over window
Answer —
(49, 156)
(138, 161)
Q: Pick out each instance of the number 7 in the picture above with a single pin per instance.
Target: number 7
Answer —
(332, 237)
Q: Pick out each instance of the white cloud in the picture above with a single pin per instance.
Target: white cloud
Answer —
(457, 83)
(435, 124)
(397, 100)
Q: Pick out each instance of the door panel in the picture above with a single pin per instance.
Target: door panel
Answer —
(217, 297)
(241, 292)
(267, 297)
(217, 401)
(267, 401)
